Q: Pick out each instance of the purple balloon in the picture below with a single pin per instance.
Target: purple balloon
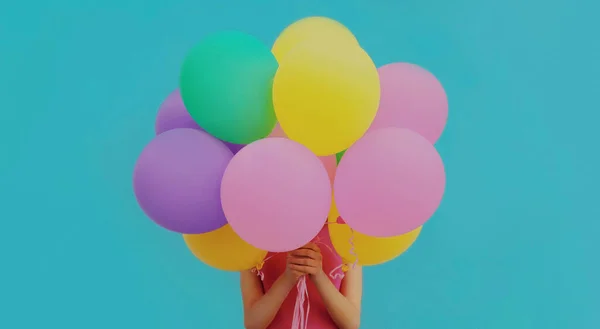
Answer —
(172, 114)
(177, 180)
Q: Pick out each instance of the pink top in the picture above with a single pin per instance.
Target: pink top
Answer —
(318, 317)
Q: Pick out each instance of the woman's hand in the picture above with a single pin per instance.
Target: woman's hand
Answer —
(292, 274)
(305, 260)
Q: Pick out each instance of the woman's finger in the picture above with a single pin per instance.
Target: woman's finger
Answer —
(305, 253)
(300, 268)
(312, 246)
(303, 261)
(313, 249)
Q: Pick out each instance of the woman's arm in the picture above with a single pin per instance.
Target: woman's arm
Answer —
(343, 305)
(259, 307)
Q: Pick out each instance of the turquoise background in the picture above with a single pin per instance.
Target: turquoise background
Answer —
(513, 245)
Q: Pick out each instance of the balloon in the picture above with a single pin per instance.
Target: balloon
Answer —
(277, 132)
(326, 95)
(311, 28)
(173, 114)
(339, 155)
(224, 250)
(276, 194)
(329, 162)
(333, 213)
(367, 250)
(226, 83)
(411, 98)
(389, 182)
(177, 180)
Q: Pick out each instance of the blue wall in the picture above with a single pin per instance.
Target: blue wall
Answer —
(512, 246)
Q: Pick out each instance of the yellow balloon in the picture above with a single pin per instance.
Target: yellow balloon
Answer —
(369, 250)
(310, 28)
(224, 250)
(333, 213)
(326, 95)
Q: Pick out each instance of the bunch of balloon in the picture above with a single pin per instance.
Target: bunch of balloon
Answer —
(247, 157)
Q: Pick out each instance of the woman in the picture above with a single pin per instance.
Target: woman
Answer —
(334, 302)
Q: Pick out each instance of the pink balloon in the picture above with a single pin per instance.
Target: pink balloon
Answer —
(276, 194)
(389, 182)
(329, 161)
(411, 98)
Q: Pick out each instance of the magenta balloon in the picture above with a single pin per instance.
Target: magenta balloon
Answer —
(276, 194)
(172, 114)
(411, 98)
(177, 180)
(389, 182)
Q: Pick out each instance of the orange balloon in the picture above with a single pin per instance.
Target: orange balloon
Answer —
(330, 164)
(277, 131)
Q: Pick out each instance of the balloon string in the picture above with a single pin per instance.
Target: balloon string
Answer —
(352, 249)
(344, 267)
(319, 242)
(258, 268)
(332, 273)
(300, 320)
(340, 272)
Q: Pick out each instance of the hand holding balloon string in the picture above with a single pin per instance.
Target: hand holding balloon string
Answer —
(307, 260)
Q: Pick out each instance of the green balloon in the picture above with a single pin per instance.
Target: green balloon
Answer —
(226, 82)
(338, 156)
